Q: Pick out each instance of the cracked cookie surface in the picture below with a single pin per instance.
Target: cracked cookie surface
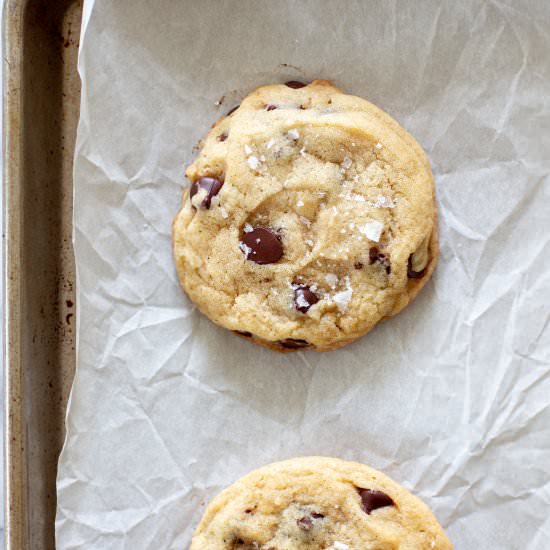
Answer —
(316, 503)
(310, 217)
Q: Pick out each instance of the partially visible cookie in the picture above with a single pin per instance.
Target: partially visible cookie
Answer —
(318, 503)
(310, 217)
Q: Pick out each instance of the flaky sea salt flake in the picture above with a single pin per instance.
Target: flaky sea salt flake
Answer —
(342, 299)
(372, 230)
(246, 249)
(293, 134)
(346, 163)
(253, 162)
(331, 279)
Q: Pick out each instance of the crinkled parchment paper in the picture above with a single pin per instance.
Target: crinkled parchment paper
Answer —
(451, 398)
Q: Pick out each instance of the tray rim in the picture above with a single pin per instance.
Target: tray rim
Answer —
(14, 441)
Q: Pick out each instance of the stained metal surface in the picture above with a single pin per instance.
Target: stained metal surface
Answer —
(41, 101)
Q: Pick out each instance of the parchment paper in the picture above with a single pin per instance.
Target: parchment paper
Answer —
(450, 398)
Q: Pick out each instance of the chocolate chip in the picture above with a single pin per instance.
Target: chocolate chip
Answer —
(262, 245)
(212, 187)
(295, 85)
(372, 500)
(358, 265)
(376, 256)
(246, 334)
(270, 107)
(305, 523)
(304, 298)
(222, 137)
(411, 273)
(231, 111)
(294, 343)
(373, 254)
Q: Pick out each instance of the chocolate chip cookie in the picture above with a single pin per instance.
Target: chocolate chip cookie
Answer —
(310, 218)
(318, 503)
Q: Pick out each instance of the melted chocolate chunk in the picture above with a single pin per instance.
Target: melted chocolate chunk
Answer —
(270, 107)
(373, 254)
(244, 545)
(295, 84)
(372, 500)
(306, 522)
(376, 256)
(212, 187)
(262, 245)
(411, 273)
(231, 111)
(304, 298)
(294, 343)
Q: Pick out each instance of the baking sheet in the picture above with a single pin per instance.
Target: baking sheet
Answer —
(450, 398)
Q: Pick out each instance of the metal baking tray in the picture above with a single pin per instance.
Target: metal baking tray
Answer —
(41, 105)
